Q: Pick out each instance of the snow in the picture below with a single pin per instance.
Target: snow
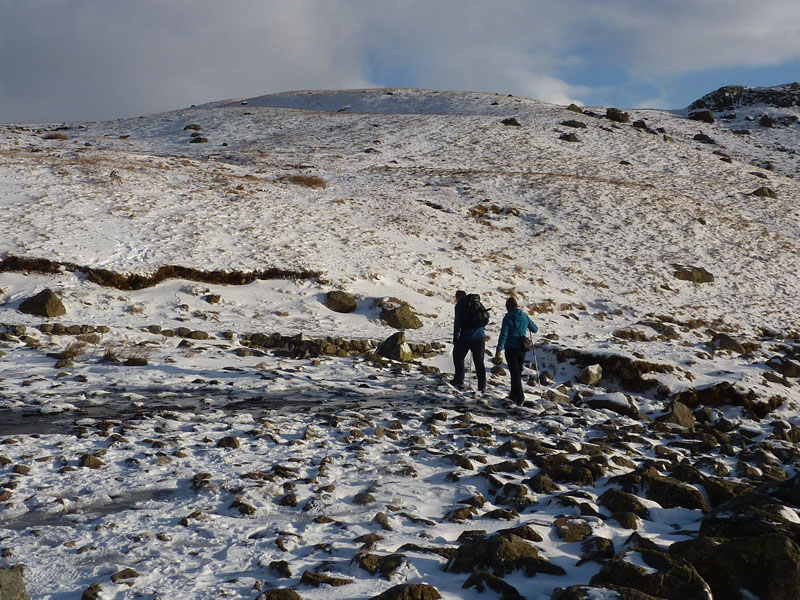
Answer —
(590, 242)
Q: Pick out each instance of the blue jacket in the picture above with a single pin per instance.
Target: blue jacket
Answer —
(462, 332)
(516, 325)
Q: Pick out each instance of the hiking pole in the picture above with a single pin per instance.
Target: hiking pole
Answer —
(538, 372)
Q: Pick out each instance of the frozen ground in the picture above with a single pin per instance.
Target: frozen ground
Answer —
(403, 193)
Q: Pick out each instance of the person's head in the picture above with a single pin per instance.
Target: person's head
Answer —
(511, 304)
(460, 295)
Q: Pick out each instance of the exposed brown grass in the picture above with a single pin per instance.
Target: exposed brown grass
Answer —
(73, 350)
(134, 281)
(312, 181)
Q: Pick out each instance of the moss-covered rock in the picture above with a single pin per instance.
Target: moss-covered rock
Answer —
(674, 578)
(767, 566)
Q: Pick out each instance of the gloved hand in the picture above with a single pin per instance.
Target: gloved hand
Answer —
(455, 341)
(498, 358)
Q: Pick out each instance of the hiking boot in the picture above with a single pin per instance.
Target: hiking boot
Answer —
(456, 384)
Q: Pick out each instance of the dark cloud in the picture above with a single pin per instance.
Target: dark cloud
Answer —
(100, 59)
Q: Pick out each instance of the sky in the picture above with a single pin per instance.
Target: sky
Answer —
(88, 60)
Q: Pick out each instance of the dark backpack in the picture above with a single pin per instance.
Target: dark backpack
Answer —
(475, 313)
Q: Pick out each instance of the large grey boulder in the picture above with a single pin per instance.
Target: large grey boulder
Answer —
(44, 304)
(12, 586)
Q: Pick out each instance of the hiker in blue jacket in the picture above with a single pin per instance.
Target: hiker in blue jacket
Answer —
(467, 339)
(516, 325)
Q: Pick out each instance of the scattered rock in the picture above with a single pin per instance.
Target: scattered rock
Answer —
(618, 501)
(693, 274)
(703, 139)
(91, 462)
(90, 593)
(395, 348)
(510, 122)
(364, 498)
(674, 577)
(340, 301)
(591, 375)
(764, 192)
(410, 591)
(572, 529)
(44, 304)
(12, 586)
(591, 592)
(124, 574)
(616, 115)
(385, 566)
(231, 442)
(480, 580)
(767, 566)
(399, 315)
(281, 567)
(569, 137)
(280, 594)
(706, 116)
(315, 579)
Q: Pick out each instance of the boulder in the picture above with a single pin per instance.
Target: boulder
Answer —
(574, 123)
(669, 576)
(395, 348)
(671, 493)
(618, 501)
(410, 591)
(341, 302)
(693, 274)
(280, 594)
(572, 529)
(705, 116)
(44, 304)
(616, 115)
(785, 366)
(616, 402)
(480, 580)
(767, 566)
(500, 554)
(510, 122)
(591, 592)
(591, 375)
(680, 414)
(764, 192)
(385, 566)
(12, 586)
(723, 341)
(597, 549)
(399, 316)
(315, 579)
(569, 137)
(704, 139)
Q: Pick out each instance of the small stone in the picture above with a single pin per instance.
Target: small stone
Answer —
(90, 461)
(124, 574)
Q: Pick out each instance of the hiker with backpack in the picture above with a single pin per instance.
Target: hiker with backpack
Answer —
(516, 343)
(469, 335)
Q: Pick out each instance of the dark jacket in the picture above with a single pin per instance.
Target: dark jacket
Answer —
(516, 325)
(461, 331)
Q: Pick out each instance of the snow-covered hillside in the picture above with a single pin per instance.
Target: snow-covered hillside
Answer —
(585, 217)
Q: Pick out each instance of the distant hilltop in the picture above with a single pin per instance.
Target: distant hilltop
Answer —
(731, 97)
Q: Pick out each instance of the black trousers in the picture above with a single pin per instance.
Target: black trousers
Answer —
(477, 347)
(515, 359)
